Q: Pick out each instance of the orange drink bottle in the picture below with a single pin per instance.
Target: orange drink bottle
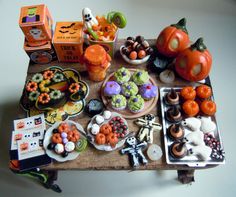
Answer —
(97, 61)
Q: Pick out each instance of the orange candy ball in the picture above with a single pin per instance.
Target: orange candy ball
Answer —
(133, 55)
(141, 54)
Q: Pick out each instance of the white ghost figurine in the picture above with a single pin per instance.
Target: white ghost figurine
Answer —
(88, 18)
(192, 123)
(196, 138)
(202, 152)
(207, 125)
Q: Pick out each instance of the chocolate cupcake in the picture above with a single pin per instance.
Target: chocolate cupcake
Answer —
(175, 132)
(173, 114)
(172, 97)
(178, 150)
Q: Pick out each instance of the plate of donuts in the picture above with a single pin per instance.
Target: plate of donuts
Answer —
(107, 131)
(64, 141)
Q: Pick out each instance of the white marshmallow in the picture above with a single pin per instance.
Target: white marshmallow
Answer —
(192, 123)
(196, 138)
(95, 129)
(107, 114)
(202, 152)
(99, 119)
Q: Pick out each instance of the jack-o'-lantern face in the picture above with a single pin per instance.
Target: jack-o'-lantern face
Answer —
(173, 39)
(194, 63)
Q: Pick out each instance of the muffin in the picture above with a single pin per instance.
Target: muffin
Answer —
(148, 91)
(140, 77)
(111, 88)
(122, 75)
(129, 89)
(118, 102)
(136, 104)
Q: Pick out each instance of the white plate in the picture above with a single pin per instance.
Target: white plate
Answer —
(134, 62)
(47, 139)
(106, 147)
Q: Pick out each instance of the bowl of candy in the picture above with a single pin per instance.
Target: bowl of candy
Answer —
(136, 50)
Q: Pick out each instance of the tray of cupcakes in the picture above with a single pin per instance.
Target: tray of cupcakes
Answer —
(130, 92)
(191, 134)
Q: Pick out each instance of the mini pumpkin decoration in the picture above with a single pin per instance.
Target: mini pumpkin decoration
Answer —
(100, 139)
(105, 129)
(194, 63)
(173, 39)
(112, 139)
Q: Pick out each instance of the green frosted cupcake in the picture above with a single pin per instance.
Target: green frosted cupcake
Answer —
(122, 75)
(136, 104)
(140, 77)
(118, 102)
(129, 89)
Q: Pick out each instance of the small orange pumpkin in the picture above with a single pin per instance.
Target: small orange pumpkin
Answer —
(194, 63)
(173, 39)
(112, 139)
(100, 139)
(105, 129)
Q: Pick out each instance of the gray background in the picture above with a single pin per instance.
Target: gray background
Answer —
(212, 19)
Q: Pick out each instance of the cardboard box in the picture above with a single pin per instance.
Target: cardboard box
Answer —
(40, 54)
(109, 46)
(68, 41)
(36, 23)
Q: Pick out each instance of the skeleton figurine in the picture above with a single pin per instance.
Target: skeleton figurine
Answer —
(148, 126)
(135, 150)
(88, 18)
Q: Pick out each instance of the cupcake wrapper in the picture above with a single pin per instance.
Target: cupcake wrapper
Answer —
(119, 108)
(137, 111)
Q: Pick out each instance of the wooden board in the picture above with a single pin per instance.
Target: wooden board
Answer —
(93, 159)
(148, 105)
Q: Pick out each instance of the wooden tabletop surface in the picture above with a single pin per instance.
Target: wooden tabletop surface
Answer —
(92, 159)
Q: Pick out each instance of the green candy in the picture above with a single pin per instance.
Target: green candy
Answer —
(81, 145)
(119, 20)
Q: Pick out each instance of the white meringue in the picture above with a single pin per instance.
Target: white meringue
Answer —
(202, 152)
(196, 138)
(192, 123)
(207, 125)
(59, 148)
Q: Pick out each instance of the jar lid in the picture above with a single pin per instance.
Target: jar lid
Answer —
(96, 55)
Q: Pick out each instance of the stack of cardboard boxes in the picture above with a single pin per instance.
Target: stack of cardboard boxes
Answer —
(36, 23)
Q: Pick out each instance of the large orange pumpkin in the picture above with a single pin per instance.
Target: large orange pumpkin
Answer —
(194, 63)
(173, 39)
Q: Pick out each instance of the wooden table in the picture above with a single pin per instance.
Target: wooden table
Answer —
(92, 159)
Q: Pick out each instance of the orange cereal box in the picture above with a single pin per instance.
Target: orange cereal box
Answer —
(36, 23)
(68, 41)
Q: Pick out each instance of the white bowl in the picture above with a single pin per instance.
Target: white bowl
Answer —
(134, 62)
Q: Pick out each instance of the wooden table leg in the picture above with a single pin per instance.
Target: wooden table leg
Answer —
(185, 176)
